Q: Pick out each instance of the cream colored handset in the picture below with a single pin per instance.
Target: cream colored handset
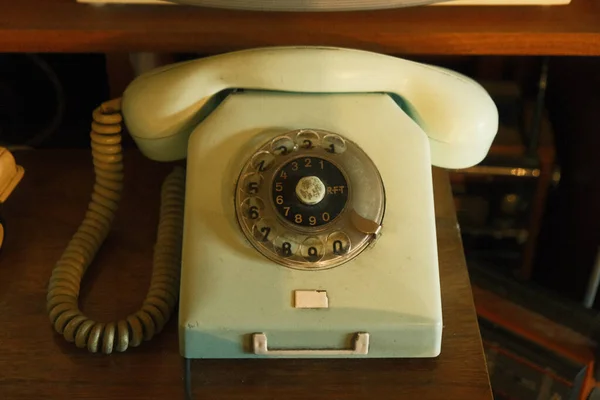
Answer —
(458, 116)
(308, 225)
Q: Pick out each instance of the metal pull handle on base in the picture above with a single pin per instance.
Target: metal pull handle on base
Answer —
(361, 347)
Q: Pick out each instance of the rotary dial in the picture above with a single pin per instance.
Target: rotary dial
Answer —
(310, 199)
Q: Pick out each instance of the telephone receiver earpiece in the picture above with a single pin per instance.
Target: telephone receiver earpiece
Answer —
(162, 107)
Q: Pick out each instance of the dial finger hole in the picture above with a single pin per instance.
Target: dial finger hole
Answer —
(338, 243)
(251, 183)
(262, 161)
(312, 249)
(253, 207)
(307, 139)
(334, 144)
(264, 230)
(286, 246)
(282, 145)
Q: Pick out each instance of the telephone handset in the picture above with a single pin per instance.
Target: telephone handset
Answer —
(303, 225)
(162, 107)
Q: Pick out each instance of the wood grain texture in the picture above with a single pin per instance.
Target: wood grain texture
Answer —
(35, 362)
(66, 26)
(535, 327)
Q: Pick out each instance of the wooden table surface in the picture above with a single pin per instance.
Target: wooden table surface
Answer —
(66, 26)
(37, 363)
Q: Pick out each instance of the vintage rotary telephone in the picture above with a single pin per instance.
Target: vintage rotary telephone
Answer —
(305, 216)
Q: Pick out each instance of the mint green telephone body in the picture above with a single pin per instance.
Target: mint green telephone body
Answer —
(307, 225)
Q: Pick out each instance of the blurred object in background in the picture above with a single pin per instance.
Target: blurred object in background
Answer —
(45, 100)
(32, 100)
(10, 176)
(570, 239)
(500, 203)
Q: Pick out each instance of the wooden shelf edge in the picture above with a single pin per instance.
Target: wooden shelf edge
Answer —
(475, 44)
(67, 26)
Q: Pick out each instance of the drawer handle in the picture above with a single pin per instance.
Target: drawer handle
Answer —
(361, 347)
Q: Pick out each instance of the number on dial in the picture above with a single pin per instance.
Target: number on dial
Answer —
(285, 195)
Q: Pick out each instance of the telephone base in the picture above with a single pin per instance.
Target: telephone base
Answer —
(236, 303)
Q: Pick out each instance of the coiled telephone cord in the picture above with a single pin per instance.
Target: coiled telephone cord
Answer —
(64, 285)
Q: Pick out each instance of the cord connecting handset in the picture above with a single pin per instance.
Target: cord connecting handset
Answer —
(161, 298)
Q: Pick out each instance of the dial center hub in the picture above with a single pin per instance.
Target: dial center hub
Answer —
(310, 190)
